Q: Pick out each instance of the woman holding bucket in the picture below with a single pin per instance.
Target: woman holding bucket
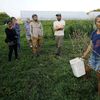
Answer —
(94, 61)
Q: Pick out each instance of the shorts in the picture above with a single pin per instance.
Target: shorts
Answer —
(94, 62)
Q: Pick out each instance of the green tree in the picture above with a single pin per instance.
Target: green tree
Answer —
(97, 10)
(3, 17)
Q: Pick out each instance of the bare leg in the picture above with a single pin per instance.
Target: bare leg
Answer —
(88, 72)
(98, 77)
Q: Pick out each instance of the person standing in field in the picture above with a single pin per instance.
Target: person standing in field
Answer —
(16, 26)
(11, 40)
(36, 31)
(28, 35)
(58, 26)
(94, 61)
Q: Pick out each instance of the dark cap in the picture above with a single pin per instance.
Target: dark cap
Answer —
(12, 18)
(58, 14)
(34, 15)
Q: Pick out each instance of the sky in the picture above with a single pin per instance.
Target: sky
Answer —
(13, 7)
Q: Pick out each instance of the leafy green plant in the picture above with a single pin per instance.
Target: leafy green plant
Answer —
(3, 18)
(45, 77)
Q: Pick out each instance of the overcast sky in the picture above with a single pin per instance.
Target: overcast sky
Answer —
(13, 7)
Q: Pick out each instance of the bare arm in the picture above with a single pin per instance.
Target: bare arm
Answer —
(87, 50)
(31, 30)
(59, 29)
(56, 28)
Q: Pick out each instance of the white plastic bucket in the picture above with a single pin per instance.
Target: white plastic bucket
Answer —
(78, 67)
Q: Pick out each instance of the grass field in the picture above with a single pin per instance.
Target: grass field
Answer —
(45, 77)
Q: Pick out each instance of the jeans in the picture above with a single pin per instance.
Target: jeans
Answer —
(94, 62)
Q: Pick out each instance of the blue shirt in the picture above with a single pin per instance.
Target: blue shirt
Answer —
(96, 42)
(17, 28)
(27, 27)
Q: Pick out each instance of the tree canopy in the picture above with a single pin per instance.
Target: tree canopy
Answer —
(3, 17)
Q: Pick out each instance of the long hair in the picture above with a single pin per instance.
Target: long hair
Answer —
(97, 18)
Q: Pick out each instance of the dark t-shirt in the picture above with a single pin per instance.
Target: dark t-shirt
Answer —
(96, 43)
(10, 35)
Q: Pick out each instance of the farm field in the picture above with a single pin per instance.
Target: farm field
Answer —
(46, 77)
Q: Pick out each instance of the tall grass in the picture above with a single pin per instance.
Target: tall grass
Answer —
(45, 77)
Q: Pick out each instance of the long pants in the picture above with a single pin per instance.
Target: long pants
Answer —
(18, 41)
(11, 49)
(36, 44)
(28, 37)
(59, 44)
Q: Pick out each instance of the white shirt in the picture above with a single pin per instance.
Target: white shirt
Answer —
(59, 24)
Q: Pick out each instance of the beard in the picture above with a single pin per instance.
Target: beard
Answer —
(35, 20)
(59, 19)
